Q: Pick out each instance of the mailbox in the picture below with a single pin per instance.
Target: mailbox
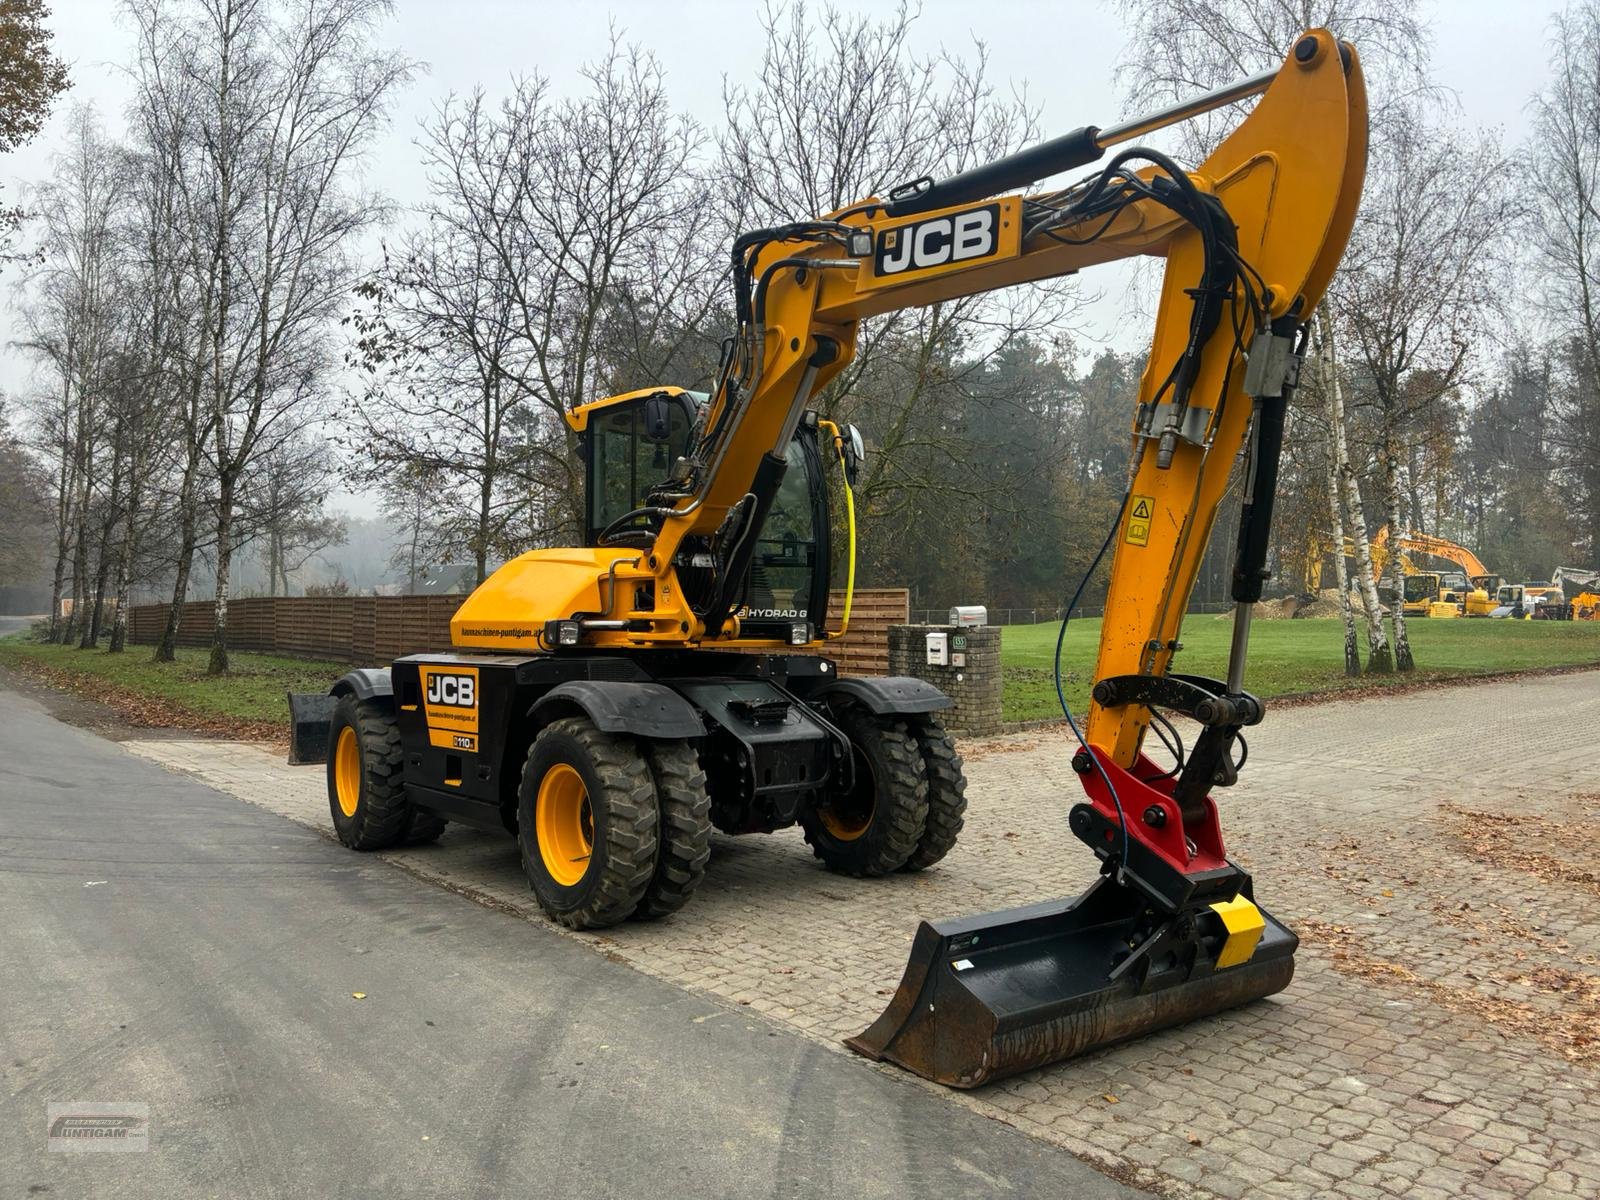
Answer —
(938, 649)
(969, 615)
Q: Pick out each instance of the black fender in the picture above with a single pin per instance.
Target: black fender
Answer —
(891, 696)
(643, 709)
(364, 683)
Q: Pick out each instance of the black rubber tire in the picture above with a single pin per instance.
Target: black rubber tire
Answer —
(947, 793)
(625, 818)
(383, 814)
(424, 827)
(889, 765)
(685, 834)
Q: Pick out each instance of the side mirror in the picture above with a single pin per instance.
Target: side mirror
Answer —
(656, 416)
(855, 451)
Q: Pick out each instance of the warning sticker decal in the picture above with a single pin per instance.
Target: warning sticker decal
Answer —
(1139, 517)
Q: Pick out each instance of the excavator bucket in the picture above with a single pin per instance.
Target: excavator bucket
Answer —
(989, 996)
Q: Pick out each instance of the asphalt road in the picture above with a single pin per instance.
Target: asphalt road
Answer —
(169, 945)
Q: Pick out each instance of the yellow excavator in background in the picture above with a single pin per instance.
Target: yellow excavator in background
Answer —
(584, 709)
(1479, 599)
(1423, 593)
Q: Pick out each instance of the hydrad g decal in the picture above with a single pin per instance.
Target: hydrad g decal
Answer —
(938, 241)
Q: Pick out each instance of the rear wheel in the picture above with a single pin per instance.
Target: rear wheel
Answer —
(874, 827)
(947, 794)
(685, 833)
(587, 821)
(366, 789)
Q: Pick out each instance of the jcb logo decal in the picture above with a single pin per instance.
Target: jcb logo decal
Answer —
(960, 237)
(459, 691)
(450, 702)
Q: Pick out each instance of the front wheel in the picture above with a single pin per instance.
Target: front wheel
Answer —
(874, 827)
(366, 785)
(587, 824)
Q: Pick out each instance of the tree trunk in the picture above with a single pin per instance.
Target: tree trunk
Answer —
(275, 566)
(102, 575)
(481, 549)
(219, 632)
(125, 557)
(119, 615)
(58, 583)
(1397, 610)
(80, 577)
(167, 647)
(1347, 610)
(1378, 657)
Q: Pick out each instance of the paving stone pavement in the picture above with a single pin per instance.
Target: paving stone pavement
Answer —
(1435, 850)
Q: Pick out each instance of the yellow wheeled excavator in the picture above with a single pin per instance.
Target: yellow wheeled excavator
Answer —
(609, 702)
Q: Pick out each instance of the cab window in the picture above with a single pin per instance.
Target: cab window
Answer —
(632, 448)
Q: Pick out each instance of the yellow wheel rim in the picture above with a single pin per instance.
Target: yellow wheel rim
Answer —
(847, 817)
(563, 822)
(347, 771)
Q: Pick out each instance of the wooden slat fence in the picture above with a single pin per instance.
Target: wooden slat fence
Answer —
(376, 629)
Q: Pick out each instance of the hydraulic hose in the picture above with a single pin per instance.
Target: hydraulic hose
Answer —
(850, 524)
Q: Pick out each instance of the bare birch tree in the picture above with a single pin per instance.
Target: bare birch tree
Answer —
(1421, 281)
(270, 105)
(1565, 162)
(282, 506)
(71, 322)
(556, 258)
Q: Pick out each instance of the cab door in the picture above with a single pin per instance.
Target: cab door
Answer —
(788, 578)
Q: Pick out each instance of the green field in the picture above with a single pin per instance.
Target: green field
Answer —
(252, 691)
(1291, 656)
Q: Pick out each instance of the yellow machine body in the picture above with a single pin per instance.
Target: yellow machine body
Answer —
(1250, 240)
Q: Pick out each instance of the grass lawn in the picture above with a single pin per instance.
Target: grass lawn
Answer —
(1291, 656)
(252, 691)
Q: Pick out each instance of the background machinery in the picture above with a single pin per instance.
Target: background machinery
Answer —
(605, 701)
(1479, 599)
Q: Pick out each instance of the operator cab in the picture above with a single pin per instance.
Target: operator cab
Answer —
(632, 442)
(1420, 589)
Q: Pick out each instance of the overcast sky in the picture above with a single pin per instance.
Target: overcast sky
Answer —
(1491, 53)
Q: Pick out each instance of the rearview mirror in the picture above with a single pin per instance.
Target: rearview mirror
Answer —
(855, 450)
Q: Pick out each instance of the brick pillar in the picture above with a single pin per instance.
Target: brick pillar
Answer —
(972, 679)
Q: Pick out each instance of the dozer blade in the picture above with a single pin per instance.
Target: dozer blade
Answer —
(310, 714)
(988, 996)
